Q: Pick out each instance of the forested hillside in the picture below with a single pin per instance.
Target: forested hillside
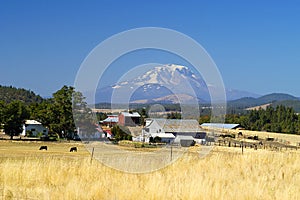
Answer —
(280, 119)
(9, 94)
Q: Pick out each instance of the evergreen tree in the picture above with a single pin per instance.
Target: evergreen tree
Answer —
(62, 117)
(14, 115)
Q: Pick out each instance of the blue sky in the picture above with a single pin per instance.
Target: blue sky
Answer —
(255, 44)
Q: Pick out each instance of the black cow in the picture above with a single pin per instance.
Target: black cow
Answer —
(44, 148)
(73, 149)
(255, 147)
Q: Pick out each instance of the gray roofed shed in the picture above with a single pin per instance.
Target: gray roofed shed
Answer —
(220, 125)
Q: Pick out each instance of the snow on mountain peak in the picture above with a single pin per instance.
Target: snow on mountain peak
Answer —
(160, 82)
(170, 74)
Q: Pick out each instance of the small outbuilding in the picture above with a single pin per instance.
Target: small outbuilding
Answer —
(129, 119)
(110, 121)
(184, 140)
(221, 126)
(164, 137)
(33, 128)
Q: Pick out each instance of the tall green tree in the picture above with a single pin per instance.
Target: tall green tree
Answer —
(61, 112)
(85, 120)
(1, 113)
(14, 115)
(42, 112)
(121, 133)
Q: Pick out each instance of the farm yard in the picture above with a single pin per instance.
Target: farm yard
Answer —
(29, 173)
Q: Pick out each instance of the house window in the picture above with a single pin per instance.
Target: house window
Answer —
(33, 129)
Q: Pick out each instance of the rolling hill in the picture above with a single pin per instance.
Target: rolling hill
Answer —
(273, 99)
(9, 94)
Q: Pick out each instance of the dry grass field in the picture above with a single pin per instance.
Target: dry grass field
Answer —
(27, 173)
(292, 139)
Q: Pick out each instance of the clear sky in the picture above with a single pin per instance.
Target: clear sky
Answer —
(255, 44)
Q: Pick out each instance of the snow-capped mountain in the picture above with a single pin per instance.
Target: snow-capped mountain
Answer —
(166, 83)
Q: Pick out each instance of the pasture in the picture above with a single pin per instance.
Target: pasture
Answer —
(29, 173)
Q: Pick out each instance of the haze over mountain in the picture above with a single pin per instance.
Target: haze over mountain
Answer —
(166, 83)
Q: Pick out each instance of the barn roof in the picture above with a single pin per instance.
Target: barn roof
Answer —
(177, 125)
(183, 137)
(32, 122)
(111, 119)
(133, 114)
(163, 135)
(220, 125)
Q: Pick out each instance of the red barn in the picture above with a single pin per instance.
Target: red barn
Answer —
(129, 119)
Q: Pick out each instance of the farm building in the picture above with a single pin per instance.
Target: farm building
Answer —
(184, 140)
(176, 127)
(33, 128)
(165, 137)
(221, 126)
(110, 121)
(129, 119)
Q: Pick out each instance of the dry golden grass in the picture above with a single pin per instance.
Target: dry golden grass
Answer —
(224, 174)
(292, 139)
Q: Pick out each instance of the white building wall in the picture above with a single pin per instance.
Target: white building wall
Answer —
(35, 129)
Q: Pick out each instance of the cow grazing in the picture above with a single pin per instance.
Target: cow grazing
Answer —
(255, 147)
(44, 148)
(73, 149)
(227, 135)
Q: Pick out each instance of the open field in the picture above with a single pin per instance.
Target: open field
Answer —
(292, 139)
(27, 173)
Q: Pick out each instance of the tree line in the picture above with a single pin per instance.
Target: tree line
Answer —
(55, 113)
(58, 113)
(280, 119)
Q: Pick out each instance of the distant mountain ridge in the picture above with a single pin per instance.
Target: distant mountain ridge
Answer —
(273, 99)
(10, 93)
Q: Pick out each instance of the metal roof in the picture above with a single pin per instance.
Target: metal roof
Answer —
(134, 114)
(32, 122)
(177, 125)
(183, 137)
(163, 135)
(220, 125)
(111, 119)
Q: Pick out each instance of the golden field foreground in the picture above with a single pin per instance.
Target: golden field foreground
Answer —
(27, 173)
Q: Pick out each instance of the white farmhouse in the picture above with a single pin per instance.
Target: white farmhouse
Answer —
(174, 130)
(33, 128)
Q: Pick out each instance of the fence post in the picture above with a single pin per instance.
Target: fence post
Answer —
(242, 147)
(171, 153)
(92, 155)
